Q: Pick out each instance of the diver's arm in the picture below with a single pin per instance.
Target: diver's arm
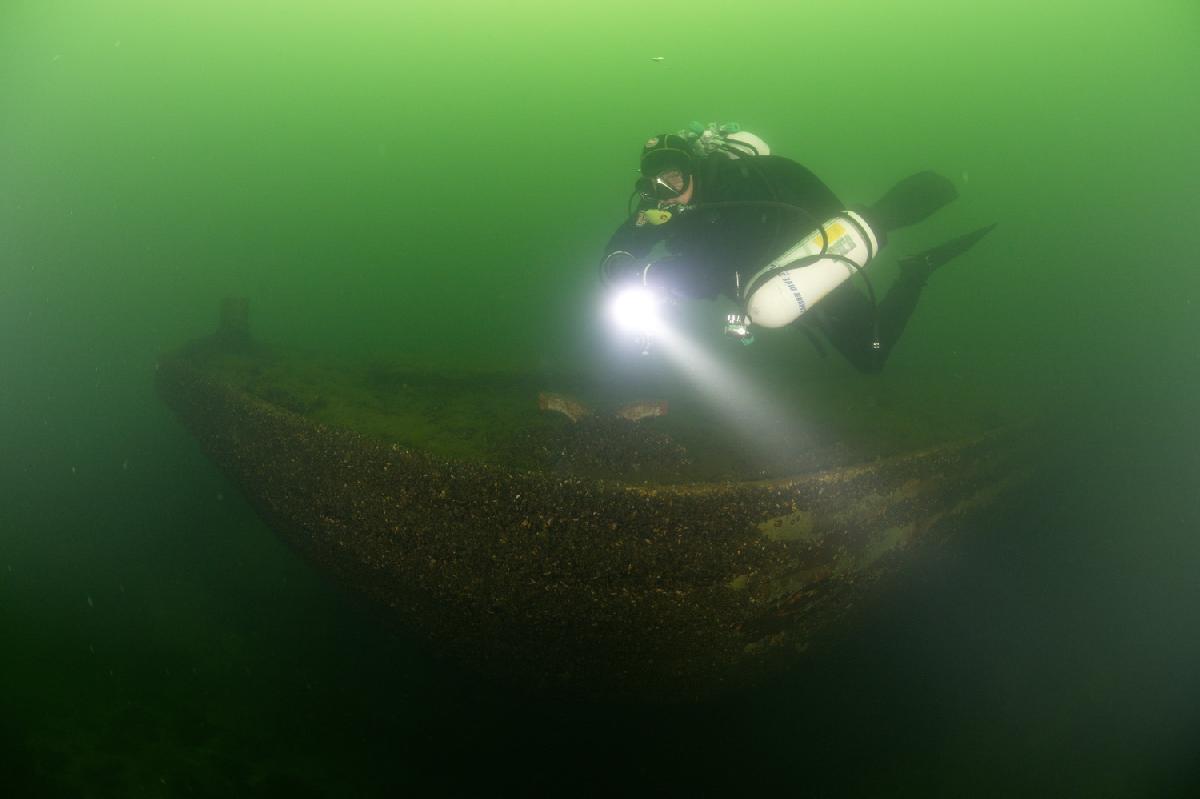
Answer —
(683, 277)
(635, 239)
(628, 251)
(676, 275)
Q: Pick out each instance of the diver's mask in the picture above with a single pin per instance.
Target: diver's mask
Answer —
(658, 187)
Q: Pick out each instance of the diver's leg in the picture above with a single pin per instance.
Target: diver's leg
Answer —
(895, 310)
(847, 319)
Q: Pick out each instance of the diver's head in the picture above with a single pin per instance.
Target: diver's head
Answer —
(666, 168)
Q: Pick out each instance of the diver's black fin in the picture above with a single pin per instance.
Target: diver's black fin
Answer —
(910, 201)
(922, 264)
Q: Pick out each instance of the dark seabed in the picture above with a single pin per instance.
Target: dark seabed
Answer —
(351, 170)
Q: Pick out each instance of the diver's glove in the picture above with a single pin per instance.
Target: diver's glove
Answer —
(668, 275)
(620, 267)
(673, 276)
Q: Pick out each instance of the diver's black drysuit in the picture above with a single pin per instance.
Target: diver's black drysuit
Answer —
(705, 248)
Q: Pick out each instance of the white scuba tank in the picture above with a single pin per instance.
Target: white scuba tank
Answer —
(728, 140)
(787, 293)
(746, 143)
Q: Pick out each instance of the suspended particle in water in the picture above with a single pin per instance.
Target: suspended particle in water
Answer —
(91, 604)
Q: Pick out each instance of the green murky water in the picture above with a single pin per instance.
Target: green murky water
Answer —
(433, 184)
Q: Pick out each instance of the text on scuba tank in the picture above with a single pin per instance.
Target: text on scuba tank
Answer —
(787, 281)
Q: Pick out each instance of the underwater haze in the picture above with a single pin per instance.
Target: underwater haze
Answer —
(434, 183)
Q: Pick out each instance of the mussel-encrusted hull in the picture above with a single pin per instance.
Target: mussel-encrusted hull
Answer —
(590, 586)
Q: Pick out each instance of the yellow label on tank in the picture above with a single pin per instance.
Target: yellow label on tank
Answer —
(835, 232)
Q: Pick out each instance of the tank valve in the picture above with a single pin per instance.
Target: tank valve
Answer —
(738, 326)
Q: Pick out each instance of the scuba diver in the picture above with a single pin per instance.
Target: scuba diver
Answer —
(717, 214)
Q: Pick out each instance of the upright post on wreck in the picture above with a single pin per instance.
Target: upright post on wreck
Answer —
(234, 330)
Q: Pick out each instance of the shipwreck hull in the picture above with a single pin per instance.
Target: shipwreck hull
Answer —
(591, 586)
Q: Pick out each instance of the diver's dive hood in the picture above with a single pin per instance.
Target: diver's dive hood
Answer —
(664, 152)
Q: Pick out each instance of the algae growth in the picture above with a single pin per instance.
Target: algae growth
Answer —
(494, 417)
